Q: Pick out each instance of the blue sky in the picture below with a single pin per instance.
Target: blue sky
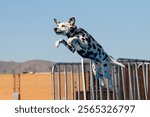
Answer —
(26, 28)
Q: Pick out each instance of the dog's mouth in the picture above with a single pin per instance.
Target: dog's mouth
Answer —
(58, 31)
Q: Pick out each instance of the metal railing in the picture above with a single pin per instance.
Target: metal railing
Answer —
(139, 79)
(130, 82)
(62, 70)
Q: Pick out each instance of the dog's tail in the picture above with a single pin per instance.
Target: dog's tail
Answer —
(116, 62)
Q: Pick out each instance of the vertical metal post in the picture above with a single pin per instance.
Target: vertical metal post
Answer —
(59, 84)
(148, 81)
(112, 72)
(116, 83)
(72, 81)
(137, 81)
(83, 78)
(144, 79)
(66, 83)
(134, 83)
(118, 80)
(100, 90)
(130, 81)
(53, 82)
(123, 82)
(108, 93)
(96, 88)
(78, 68)
(91, 82)
(147, 76)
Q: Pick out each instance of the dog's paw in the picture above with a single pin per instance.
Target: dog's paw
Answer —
(57, 43)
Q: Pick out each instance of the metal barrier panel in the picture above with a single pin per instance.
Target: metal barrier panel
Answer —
(70, 81)
(76, 81)
(137, 78)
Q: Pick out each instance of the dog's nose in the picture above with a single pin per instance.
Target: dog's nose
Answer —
(55, 29)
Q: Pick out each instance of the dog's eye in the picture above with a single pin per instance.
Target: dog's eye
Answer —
(63, 26)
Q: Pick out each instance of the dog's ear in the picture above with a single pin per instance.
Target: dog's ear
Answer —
(56, 21)
(72, 21)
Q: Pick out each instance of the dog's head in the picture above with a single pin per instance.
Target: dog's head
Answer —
(65, 28)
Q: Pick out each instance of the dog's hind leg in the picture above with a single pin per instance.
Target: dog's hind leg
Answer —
(97, 70)
(107, 73)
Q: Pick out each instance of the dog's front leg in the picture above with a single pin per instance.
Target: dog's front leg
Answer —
(57, 43)
(75, 43)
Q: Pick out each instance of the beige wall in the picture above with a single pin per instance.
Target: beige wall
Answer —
(6, 87)
(34, 86)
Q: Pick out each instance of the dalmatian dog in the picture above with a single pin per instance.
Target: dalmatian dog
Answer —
(86, 46)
